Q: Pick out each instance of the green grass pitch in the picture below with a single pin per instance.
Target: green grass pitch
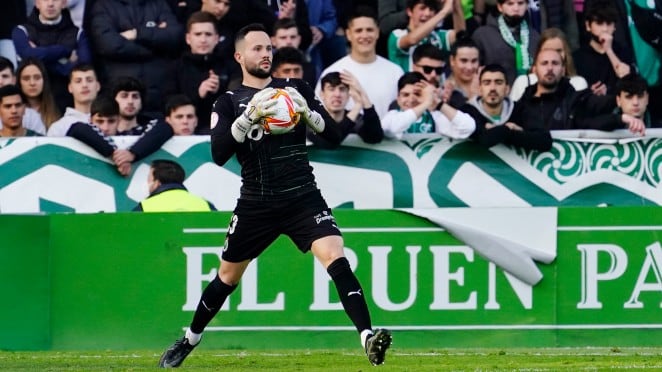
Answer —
(547, 359)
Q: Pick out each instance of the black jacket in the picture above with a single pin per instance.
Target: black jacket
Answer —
(193, 69)
(150, 58)
(565, 108)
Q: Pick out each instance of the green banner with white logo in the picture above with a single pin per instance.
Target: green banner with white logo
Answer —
(449, 277)
(63, 175)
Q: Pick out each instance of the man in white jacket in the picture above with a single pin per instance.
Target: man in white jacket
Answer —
(421, 111)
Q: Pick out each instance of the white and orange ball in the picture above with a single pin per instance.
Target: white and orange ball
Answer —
(285, 118)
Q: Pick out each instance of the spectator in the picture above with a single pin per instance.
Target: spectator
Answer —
(462, 83)
(31, 118)
(637, 30)
(492, 110)
(35, 85)
(288, 62)
(84, 87)
(551, 38)
(104, 119)
(167, 192)
(50, 35)
(180, 115)
(377, 75)
(508, 40)
(417, 112)
(12, 108)
(13, 14)
(327, 46)
(424, 16)
(129, 94)
(296, 10)
(601, 62)
(632, 99)
(200, 75)
(337, 87)
(224, 49)
(285, 34)
(430, 61)
(139, 39)
(632, 107)
(552, 103)
(77, 11)
(557, 14)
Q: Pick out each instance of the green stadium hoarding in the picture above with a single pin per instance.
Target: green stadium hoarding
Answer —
(62, 174)
(132, 280)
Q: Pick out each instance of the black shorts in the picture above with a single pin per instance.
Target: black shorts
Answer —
(256, 224)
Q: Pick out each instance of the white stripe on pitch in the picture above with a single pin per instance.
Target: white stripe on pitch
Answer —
(348, 230)
(442, 327)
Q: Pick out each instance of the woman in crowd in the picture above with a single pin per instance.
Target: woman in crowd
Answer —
(33, 81)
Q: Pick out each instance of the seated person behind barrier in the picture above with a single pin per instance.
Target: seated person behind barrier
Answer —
(84, 87)
(129, 93)
(551, 38)
(337, 87)
(31, 118)
(417, 112)
(12, 108)
(181, 120)
(552, 103)
(181, 115)
(632, 107)
(104, 120)
(167, 192)
(492, 110)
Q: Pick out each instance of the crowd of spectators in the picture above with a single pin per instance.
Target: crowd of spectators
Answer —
(495, 71)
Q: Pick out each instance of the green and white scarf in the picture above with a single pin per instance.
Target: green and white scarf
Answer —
(522, 57)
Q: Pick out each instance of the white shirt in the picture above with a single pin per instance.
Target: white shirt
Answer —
(379, 79)
(60, 127)
(32, 121)
(395, 123)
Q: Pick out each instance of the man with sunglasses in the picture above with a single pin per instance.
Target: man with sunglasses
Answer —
(430, 61)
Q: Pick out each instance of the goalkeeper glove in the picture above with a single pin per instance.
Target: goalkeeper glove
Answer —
(311, 118)
(261, 105)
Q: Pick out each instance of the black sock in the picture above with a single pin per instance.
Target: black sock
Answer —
(350, 292)
(210, 303)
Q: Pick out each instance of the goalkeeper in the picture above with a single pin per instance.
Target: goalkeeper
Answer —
(278, 194)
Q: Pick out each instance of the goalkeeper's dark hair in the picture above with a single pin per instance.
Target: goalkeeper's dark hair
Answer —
(167, 171)
(410, 78)
(241, 34)
(631, 83)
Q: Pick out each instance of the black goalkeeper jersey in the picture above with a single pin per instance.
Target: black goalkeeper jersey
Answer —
(273, 167)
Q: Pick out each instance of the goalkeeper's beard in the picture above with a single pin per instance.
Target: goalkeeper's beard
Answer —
(259, 72)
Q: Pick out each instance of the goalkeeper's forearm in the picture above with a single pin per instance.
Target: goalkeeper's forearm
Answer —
(240, 127)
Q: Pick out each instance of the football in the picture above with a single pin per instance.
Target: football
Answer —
(285, 118)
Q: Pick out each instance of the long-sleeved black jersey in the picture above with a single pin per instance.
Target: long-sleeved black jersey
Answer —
(273, 167)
